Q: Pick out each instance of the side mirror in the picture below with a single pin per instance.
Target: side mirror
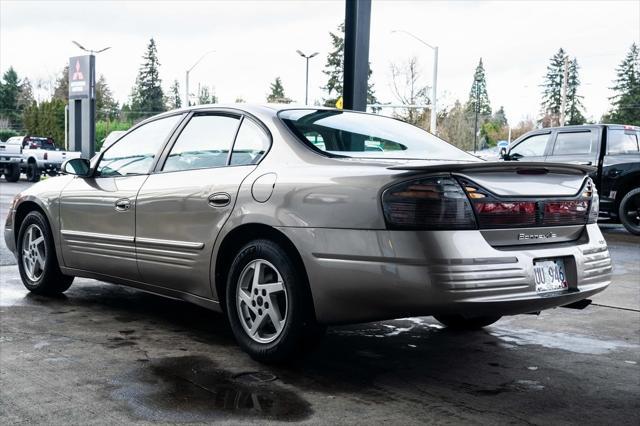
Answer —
(76, 166)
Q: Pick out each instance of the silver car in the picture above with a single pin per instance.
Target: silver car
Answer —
(290, 219)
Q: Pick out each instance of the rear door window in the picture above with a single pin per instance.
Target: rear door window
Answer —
(621, 141)
(574, 143)
(533, 146)
(250, 145)
(204, 143)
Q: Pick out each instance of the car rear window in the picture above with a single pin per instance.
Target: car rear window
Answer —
(353, 134)
(622, 141)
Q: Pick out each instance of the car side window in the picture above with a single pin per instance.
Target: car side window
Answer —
(251, 144)
(133, 154)
(574, 143)
(204, 143)
(533, 146)
(622, 142)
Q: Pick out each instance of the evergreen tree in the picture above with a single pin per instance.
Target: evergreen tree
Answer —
(106, 105)
(500, 118)
(334, 70)
(174, 101)
(478, 97)
(574, 107)
(148, 97)
(277, 95)
(61, 90)
(552, 90)
(626, 100)
(9, 92)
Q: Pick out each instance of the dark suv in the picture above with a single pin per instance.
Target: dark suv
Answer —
(613, 149)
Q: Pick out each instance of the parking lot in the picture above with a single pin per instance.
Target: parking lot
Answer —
(109, 354)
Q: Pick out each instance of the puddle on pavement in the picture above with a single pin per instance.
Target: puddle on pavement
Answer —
(193, 389)
(566, 341)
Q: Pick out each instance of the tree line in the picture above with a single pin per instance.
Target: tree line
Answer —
(20, 112)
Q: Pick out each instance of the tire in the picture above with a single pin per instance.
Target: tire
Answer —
(629, 211)
(260, 306)
(12, 173)
(459, 322)
(33, 173)
(37, 259)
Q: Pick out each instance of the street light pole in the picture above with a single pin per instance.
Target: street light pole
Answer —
(186, 80)
(434, 86)
(477, 110)
(306, 87)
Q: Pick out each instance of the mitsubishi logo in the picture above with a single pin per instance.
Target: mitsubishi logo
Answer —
(77, 75)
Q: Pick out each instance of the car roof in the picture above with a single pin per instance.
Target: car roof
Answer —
(251, 108)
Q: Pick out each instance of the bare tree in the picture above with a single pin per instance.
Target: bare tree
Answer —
(407, 88)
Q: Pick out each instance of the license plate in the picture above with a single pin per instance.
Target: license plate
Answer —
(549, 275)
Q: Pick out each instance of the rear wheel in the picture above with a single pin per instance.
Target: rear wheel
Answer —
(459, 322)
(33, 173)
(629, 211)
(267, 302)
(37, 259)
(12, 173)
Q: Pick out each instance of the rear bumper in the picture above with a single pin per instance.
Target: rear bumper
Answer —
(360, 275)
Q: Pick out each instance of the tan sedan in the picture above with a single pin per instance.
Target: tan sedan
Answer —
(289, 220)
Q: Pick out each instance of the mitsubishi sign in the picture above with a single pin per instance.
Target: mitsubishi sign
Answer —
(82, 77)
(82, 104)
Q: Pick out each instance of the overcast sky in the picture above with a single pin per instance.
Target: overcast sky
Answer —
(257, 41)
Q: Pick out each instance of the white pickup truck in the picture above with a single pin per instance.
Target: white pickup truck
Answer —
(31, 155)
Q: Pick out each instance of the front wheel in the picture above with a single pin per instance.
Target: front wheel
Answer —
(459, 322)
(267, 302)
(37, 259)
(629, 211)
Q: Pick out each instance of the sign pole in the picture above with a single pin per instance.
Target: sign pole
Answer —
(82, 104)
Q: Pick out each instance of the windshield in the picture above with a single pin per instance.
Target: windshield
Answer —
(355, 134)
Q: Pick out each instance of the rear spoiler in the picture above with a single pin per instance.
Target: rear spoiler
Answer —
(524, 167)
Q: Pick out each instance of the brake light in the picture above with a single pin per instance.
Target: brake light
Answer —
(566, 212)
(520, 213)
(496, 212)
(432, 203)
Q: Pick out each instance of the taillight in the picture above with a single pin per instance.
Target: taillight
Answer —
(496, 212)
(431, 203)
(519, 213)
(594, 209)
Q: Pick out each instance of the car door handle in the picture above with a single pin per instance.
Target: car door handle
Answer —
(123, 204)
(219, 199)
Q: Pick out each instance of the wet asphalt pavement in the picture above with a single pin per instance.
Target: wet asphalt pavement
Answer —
(108, 354)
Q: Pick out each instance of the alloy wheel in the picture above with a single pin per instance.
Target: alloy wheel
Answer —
(34, 252)
(261, 300)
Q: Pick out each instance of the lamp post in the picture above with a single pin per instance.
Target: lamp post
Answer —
(477, 111)
(434, 110)
(306, 87)
(186, 81)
